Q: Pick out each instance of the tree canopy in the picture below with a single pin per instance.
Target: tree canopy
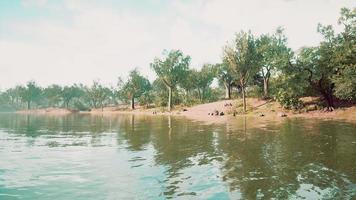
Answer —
(171, 70)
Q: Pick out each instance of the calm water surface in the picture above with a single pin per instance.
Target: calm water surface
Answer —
(137, 157)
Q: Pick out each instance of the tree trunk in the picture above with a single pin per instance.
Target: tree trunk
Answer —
(227, 91)
(265, 86)
(200, 96)
(243, 97)
(328, 96)
(28, 105)
(169, 99)
(132, 103)
(327, 93)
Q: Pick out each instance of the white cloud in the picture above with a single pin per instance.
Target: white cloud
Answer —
(98, 42)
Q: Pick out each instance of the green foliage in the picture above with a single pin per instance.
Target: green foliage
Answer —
(345, 56)
(288, 99)
(197, 83)
(53, 95)
(254, 91)
(147, 98)
(225, 77)
(135, 87)
(71, 92)
(242, 58)
(171, 70)
(331, 65)
(273, 54)
(10, 99)
(98, 95)
(346, 83)
(30, 93)
(290, 86)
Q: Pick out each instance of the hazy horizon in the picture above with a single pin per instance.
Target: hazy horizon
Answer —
(67, 41)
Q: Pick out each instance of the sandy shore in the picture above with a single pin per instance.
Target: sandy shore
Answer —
(260, 110)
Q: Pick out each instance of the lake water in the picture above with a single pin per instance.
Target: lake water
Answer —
(137, 157)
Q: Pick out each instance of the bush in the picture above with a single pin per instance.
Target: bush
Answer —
(288, 89)
(288, 100)
(146, 98)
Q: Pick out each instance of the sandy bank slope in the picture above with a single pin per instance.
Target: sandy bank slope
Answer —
(201, 112)
(269, 109)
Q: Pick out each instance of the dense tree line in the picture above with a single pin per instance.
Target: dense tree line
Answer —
(256, 66)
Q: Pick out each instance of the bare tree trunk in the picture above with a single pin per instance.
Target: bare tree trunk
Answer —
(265, 86)
(169, 99)
(243, 97)
(28, 105)
(227, 91)
(132, 103)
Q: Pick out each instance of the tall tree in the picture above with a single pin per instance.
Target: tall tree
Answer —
(242, 58)
(274, 53)
(135, 86)
(171, 70)
(30, 93)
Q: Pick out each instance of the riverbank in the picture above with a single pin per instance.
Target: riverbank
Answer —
(227, 110)
(222, 111)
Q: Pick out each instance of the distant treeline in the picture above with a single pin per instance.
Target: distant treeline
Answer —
(259, 66)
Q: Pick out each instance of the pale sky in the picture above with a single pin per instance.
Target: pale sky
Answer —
(78, 41)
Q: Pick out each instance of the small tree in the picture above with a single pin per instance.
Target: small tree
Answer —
(69, 93)
(135, 86)
(202, 80)
(225, 77)
(171, 70)
(98, 95)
